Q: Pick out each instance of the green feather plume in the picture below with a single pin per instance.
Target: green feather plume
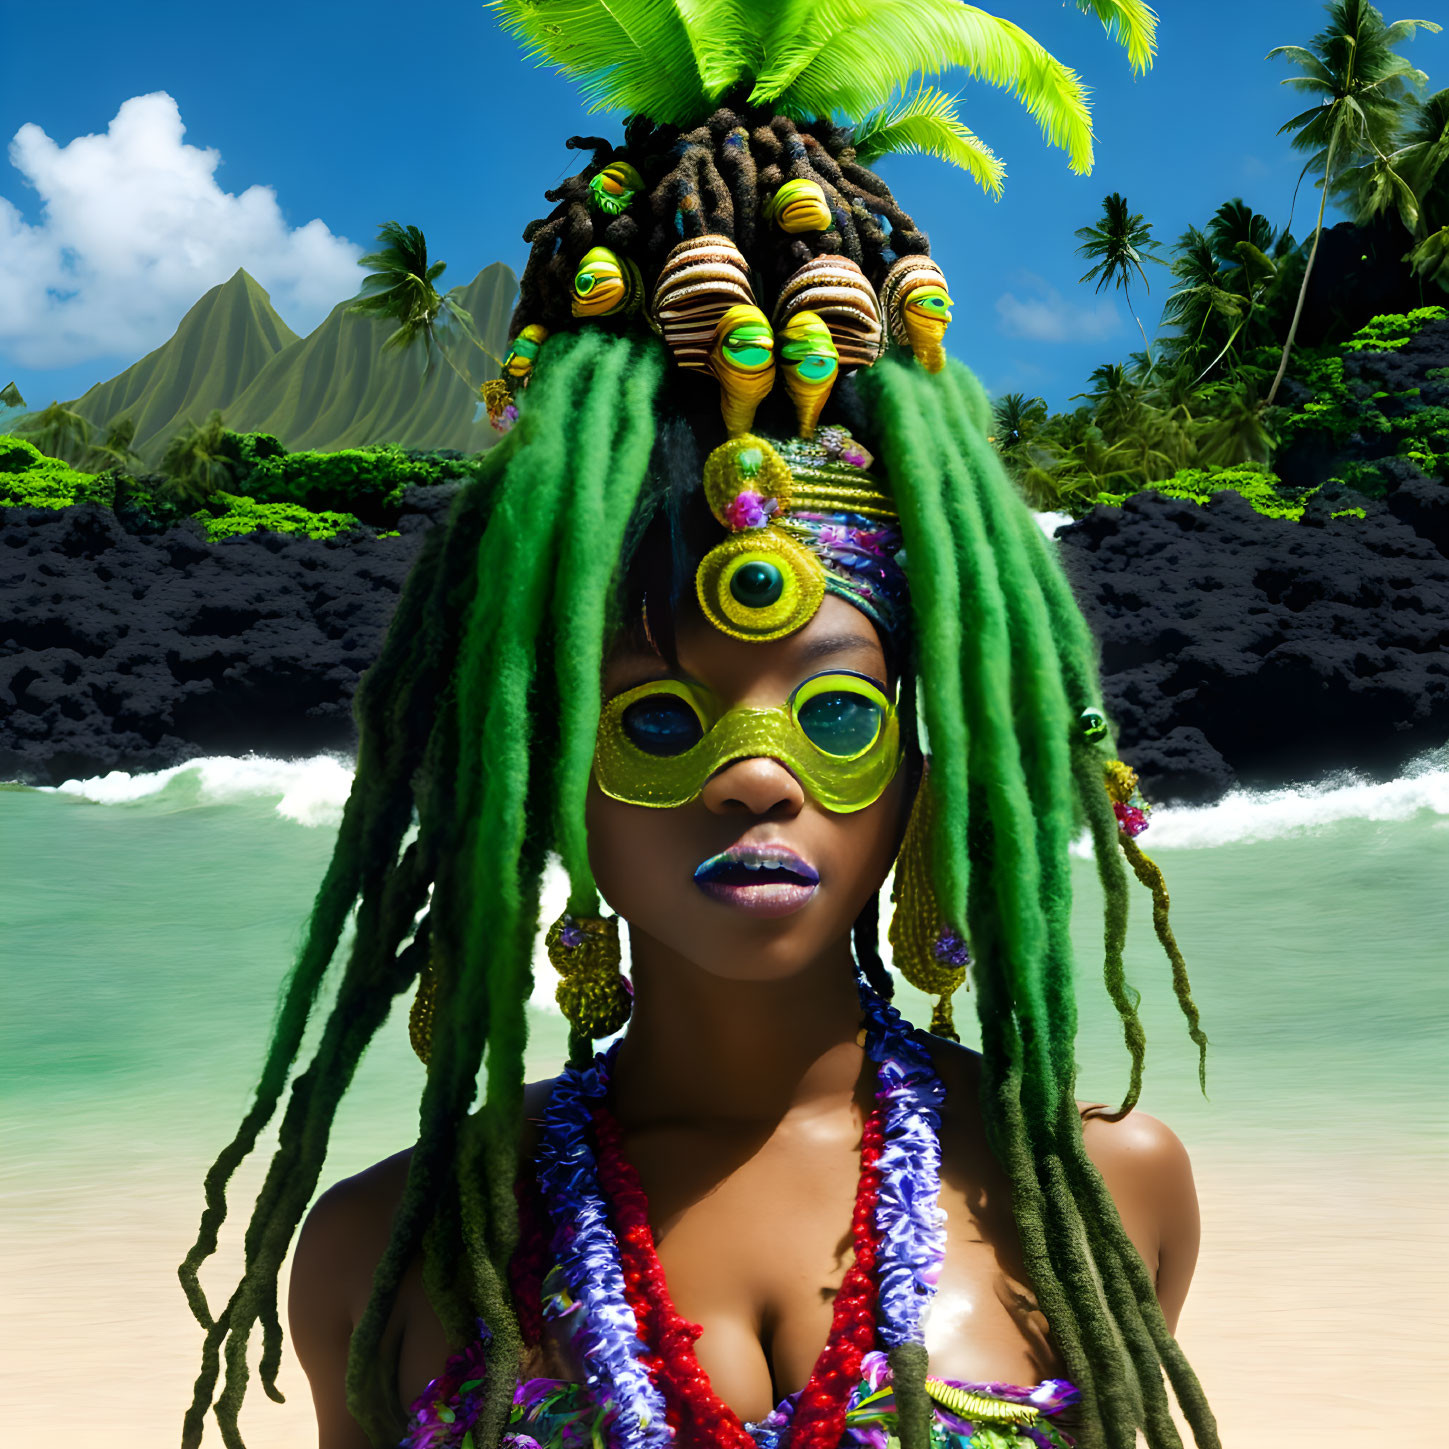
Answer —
(672, 60)
(927, 122)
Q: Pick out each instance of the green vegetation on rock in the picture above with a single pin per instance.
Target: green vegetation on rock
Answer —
(31, 479)
(1255, 482)
(1384, 334)
(234, 483)
(240, 515)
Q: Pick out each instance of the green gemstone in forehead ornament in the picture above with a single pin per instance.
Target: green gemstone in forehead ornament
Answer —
(757, 585)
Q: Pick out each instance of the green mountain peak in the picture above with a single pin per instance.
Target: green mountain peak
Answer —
(220, 345)
(335, 388)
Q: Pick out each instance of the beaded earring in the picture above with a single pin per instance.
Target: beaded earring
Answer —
(420, 1017)
(593, 993)
(929, 952)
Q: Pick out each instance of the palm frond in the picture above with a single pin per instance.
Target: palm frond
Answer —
(630, 55)
(728, 37)
(1130, 21)
(1430, 259)
(1401, 30)
(858, 54)
(927, 122)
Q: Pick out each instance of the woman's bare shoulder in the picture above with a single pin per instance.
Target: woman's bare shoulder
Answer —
(342, 1240)
(1142, 1162)
(351, 1221)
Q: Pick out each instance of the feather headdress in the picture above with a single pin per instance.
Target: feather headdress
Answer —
(850, 60)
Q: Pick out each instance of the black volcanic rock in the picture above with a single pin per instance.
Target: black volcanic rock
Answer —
(136, 652)
(1238, 649)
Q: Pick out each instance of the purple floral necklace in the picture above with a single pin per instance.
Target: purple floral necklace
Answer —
(584, 1292)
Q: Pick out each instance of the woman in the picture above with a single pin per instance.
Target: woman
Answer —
(740, 615)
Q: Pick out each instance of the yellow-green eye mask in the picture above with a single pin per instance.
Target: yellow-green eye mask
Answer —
(659, 743)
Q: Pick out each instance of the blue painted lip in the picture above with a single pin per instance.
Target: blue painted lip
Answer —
(758, 857)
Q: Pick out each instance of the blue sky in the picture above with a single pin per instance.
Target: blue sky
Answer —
(327, 119)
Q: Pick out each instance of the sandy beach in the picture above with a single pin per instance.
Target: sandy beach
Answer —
(1322, 1285)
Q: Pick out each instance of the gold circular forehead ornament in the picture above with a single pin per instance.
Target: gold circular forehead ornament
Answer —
(759, 583)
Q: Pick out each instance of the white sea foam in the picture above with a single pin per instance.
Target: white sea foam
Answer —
(1050, 522)
(311, 791)
(1252, 815)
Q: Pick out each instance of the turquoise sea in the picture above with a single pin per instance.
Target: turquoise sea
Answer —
(147, 923)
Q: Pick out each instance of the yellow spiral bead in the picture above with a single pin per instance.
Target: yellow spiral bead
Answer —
(743, 359)
(420, 1017)
(799, 206)
(922, 941)
(811, 363)
(980, 1408)
(606, 284)
(1121, 781)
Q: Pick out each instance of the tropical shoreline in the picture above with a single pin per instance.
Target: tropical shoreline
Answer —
(1238, 650)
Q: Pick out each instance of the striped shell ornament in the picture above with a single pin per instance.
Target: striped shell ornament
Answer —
(836, 290)
(606, 285)
(918, 308)
(799, 206)
(702, 278)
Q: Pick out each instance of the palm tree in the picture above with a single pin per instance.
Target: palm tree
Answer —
(1412, 181)
(196, 463)
(1017, 417)
(1235, 431)
(58, 431)
(1426, 164)
(1360, 86)
(399, 289)
(1202, 297)
(1119, 244)
(114, 450)
(1225, 275)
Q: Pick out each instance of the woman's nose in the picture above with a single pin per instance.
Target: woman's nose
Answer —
(756, 786)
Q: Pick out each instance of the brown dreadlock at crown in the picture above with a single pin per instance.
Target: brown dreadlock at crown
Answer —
(715, 224)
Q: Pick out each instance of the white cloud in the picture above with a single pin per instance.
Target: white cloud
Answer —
(133, 229)
(1044, 315)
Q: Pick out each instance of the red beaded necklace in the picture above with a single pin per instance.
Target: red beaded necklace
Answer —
(697, 1414)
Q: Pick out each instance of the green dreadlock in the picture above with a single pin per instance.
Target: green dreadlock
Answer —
(478, 720)
(454, 708)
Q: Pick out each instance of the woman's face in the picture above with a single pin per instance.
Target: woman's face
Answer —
(661, 869)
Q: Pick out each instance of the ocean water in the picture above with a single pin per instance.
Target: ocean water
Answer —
(146, 924)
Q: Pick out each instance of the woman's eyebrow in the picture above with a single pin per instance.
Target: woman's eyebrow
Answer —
(832, 644)
(652, 671)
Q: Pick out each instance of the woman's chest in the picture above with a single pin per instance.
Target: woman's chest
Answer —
(755, 1241)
